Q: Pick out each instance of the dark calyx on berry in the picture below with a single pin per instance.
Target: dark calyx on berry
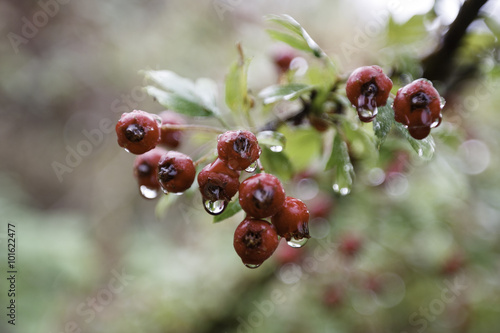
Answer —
(176, 172)
(292, 220)
(238, 149)
(218, 182)
(138, 132)
(255, 241)
(167, 172)
(135, 133)
(261, 195)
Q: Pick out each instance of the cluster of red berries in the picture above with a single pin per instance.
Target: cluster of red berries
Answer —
(417, 105)
(261, 196)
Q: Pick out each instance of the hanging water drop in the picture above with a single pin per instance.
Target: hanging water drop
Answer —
(341, 190)
(148, 192)
(294, 242)
(214, 207)
(367, 115)
(274, 140)
(252, 167)
(252, 266)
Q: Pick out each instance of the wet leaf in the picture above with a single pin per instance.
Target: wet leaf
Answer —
(383, 122)
(424, 148)
(286, 92)
(276, 163)
(236, 86)
(178, 103)
(340, 162)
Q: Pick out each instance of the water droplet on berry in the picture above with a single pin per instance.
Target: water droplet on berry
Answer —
(128, 151)
(252, 167)
(214, 207)
(437, 122)
(148, 192)
(294, 242)
(274, 140)
(442, 102)
(252, 266)
(367, 115)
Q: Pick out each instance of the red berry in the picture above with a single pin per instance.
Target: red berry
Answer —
(418, 107)
(261, 195)
(255, 241)
(238, 149)
(218, 182)
(282, 59)
(171, 138)
(138, 132)
(291, 221)
(176, 172)
(145, 168)
(367, 88)
(350, 245)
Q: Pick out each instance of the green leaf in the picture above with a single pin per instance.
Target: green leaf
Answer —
(383, 122)
(236, 86)
(183, 95)
(362, 144)
(303, 146)
(232, 209)
(424, 148)
(341, 163)
(299, 39)
(275, 141)
(276, 163)
(178, 103)
(286, 92)
(294, 41)
(409, 32)
(171, 82)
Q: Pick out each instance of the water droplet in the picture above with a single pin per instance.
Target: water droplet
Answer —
(252, 167)
(274, 140)
(178, 193)
(437, 122)
(294, 242)
(148, 192)
(341, 190)
(128, 151)
(442, 102)
(252, 266)
(276, 149)
(367, 116)
(214, 207)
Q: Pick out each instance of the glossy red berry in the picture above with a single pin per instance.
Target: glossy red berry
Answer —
(176, 172)
(171, 137)
(418, 107)
(368, 88)
(238, 149)
(218, 182)
(292, 220)
(255, 241)
(138, 131)
(145, 168)
(261, 195)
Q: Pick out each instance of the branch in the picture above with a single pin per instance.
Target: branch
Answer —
(438, 65)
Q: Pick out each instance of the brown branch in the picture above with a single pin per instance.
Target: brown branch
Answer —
(439, 64)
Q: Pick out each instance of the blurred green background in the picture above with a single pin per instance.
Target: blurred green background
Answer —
(94, 256)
